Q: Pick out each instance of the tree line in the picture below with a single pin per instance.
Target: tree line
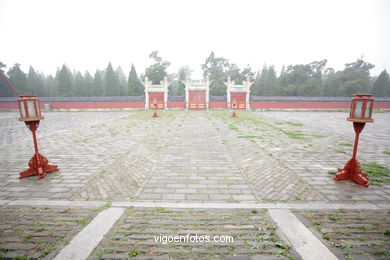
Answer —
(313, 79)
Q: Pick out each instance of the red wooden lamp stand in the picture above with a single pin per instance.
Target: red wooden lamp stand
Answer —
(155, 108)
(234, 108)
(361, 113)
(31, 115)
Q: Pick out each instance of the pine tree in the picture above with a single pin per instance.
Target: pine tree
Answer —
(18, 78)
(381, 86)
(35, 82)
(97, 84)
(64, 82)
(134, 85)
(79, 85)
(111, 82)
(88, 84)
(50, 86)
(122, 87)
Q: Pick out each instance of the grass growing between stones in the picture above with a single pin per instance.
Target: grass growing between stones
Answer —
(294, 123)
(345, 144)
(134, 235)
(358, 234)
(247, 136)
(35, 232)
(377, 174)
(340, 151)
(294, 134)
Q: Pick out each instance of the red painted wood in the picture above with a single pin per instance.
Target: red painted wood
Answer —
(177, 104)
(240, 98)
(159, 97)
(197, 99)
(217, 104)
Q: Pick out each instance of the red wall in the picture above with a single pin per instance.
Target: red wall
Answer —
(212, 104)
(217, 104)
(80, 105)
(176, 104)
(311, 105)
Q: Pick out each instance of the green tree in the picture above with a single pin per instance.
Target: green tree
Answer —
(216, 69)
(357, 72)
(50, 86)
(158, 70)
(64, 82)
(302, 79)
(177, 88)
(122, 91)
(35, 82)
(259, 85)
(97, 84)
(5, 91)
(351, 87)
(111, 83)
(18, 78)
(88, 84)
(381, 86)
(79, 85)
(134, 85)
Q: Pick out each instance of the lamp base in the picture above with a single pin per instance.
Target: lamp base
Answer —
(352, 171)
(38, 165)
(155, 114)
(234, 114)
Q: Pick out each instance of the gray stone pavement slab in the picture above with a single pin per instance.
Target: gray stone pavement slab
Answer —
(304, 242)
(81, 246)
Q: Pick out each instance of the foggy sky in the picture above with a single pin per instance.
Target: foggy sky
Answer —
(86, 35)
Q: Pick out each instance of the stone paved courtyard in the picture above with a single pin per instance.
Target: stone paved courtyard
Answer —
(187, 157)
(194, 156)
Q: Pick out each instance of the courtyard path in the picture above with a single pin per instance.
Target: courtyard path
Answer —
(197, 167)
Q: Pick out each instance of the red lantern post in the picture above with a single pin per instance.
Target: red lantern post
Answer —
(30, 113)
(360, 114)
(155, 108)
(234, 108)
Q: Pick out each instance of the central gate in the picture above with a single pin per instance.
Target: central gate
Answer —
(197, 94)
(156, 93)
(158, 97)
(238, 94)
(240, 98)
(197, 99)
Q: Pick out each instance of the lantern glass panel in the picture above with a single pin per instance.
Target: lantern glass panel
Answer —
(22, 109)
(31, 108)
(367, 113)
(358, 109)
